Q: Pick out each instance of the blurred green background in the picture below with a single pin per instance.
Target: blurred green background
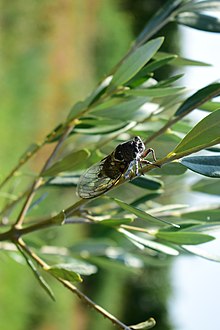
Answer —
(52, 54)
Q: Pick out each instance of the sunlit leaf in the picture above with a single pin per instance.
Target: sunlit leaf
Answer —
(135, 61)
(65, 271)
(186, 238)
(141, 214)
(198, 251)
(205, 165)
(204, 134)
(210, 106)
(144, 242)
(68, 163)
(64, 181)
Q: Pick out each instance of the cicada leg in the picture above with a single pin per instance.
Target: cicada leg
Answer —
(128, 172)
(145, 161)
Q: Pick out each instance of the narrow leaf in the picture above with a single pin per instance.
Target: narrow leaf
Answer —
(180, 61)
(141, 214)
(198, 98)
(207, 186)
(204, 134)
(137, 109)
(203, 5)
(68, 163)
(199, 21)
(79, 107)
(147, 182)
(145, 198)
(114, 222)
(202, 253)
(36, 273)
(64, 181)
(133, 63)
(143, 242)
(205, 165)
(210, 106)
(65, 271)
(154, 92)
(186, 238)
(173, 168)
(155, 23)
(208, 214)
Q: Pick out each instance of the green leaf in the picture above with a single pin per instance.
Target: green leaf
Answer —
(151, 67)
(210, 106)
(205, 165)
(114, 222)
(155, 23)
(141, 214)
(36, 273)
(95, 126)
(206, 214)
(147, 182)
(68, 163)
(202, 5)
(203, 135)
(135, 61)
(154, 92)
(198, 98)
(167, 82)
(145, 198)
(133, 109)
(141, 242)
(64, 271)
(207, 186)
(180, 61)
(79, 107)
(186, 238)
(199, 21)
(174, 168)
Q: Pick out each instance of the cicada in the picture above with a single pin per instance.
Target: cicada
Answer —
(126, 157)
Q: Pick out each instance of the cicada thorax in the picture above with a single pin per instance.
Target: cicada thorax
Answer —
(113, 168)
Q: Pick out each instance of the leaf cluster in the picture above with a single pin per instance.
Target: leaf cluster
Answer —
(129, 102)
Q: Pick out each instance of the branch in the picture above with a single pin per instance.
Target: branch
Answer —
(72, 288)
(38, 181)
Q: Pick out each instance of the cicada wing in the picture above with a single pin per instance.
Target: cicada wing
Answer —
(94, 182)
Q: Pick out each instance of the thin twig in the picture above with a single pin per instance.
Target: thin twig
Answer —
(74, 289)
(38, 181)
